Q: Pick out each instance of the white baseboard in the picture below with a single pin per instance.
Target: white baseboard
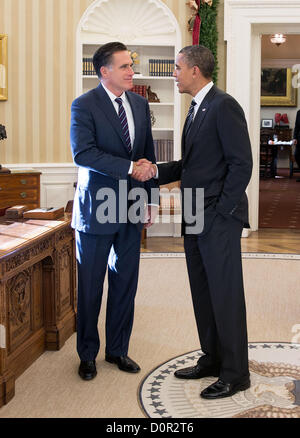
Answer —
(246, 232)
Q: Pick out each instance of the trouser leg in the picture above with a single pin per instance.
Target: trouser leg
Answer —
(203, 309)
(221, 255)
(122, 279)
(92, 253)
(297, 154)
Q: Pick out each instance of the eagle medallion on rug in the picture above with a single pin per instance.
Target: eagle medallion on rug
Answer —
(274, 391)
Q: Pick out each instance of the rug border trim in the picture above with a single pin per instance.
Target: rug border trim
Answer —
(245, 255)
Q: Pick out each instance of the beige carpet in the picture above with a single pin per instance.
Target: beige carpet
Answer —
(164, 328)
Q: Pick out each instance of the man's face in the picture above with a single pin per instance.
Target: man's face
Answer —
(117, 77)
(183, 75)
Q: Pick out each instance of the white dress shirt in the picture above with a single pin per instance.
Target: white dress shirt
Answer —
(200, 96)
(128, 112)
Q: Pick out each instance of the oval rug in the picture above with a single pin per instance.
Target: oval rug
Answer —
(274, 391)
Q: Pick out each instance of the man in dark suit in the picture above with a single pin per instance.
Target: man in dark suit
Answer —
(297, 140)
(216, 156)
(110, 131)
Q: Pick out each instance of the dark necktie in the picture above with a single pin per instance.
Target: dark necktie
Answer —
(124, 123)
(189, 118)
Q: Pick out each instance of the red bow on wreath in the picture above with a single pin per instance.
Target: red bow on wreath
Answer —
(197, 25)
(195, 21)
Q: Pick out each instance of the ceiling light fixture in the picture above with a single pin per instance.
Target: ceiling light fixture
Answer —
(278, 38)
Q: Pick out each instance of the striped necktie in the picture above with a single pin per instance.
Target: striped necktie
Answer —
(124, 123)
(189, 117)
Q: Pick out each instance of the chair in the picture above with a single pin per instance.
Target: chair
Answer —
(170, 206)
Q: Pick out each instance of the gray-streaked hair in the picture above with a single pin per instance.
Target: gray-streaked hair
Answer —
(103, 56)
(201, 57)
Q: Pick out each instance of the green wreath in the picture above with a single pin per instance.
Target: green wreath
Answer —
(209, 31)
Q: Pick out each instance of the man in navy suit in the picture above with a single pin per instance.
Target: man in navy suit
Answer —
(216, 157)
(110, 132)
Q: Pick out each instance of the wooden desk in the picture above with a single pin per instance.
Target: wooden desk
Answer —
(37, 294)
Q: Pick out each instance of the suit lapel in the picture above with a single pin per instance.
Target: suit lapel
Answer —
(110, 113)
(200, 116)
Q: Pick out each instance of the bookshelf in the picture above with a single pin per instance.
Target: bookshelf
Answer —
(154, 34)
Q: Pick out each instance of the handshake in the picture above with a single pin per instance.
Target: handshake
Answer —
(143, 170)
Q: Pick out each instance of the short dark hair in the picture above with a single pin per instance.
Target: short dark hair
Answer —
(201, 57)
(103, 56)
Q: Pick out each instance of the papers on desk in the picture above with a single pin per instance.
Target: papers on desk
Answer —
(280, 143)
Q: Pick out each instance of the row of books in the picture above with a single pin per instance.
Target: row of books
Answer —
(163, 149)
(157, 67)
(161, 67)
(87, 67)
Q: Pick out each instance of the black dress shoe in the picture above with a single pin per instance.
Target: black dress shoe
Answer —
(124, 363)
(197, 372)
(221, 389)
(87, 370)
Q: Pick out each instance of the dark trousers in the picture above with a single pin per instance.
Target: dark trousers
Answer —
(297, 152)
(216, 280)
(120, 253)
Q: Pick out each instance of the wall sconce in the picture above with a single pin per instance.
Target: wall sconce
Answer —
(278, 38)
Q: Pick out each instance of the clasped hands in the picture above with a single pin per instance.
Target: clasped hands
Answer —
(143, 170)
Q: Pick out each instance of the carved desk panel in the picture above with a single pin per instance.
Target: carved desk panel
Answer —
(37, 294)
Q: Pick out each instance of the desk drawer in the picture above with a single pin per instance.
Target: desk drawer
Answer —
(19, 196)
(18, 182)
(20, 188)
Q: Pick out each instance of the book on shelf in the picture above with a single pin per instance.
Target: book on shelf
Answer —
(88, 67)
(161, 67)
(140, 89)
(163, 149)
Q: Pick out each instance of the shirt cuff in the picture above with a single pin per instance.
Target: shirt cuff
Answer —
(130, 168)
